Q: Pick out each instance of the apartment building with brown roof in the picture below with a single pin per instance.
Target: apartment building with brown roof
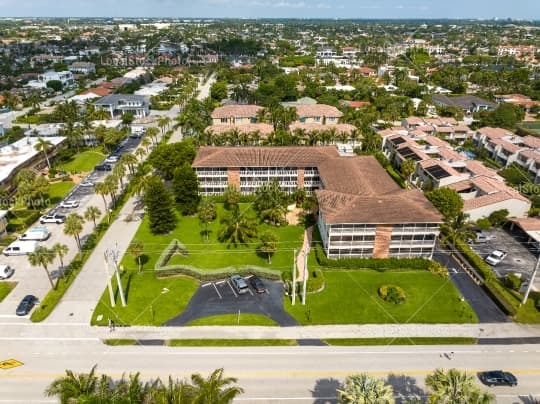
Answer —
(362, 211)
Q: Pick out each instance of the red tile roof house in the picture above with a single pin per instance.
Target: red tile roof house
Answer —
(235, 114)
(362, 211)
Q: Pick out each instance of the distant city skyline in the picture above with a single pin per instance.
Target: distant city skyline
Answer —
(393, 9)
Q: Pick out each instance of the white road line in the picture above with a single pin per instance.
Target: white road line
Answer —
(228, 283)
(206, 284)
(217, 291)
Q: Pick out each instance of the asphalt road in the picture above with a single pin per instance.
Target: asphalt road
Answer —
(267, 374)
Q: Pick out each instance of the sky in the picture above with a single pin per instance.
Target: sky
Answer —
(483, 9)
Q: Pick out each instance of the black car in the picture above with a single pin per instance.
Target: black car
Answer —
(103, 167)
(26, 305)
(257, 284)
(497, 378)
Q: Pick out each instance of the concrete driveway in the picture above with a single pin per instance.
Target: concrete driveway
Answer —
(216, 298)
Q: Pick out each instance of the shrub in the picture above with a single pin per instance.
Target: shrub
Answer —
(215, 274)
(438, 269)
(392, 294)
(175, 246)
(512, 282)
(483, 224)
(379, 264)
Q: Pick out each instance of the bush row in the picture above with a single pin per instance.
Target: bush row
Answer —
(215, 274)
(173, 247)
(379, 264)
(21, 220)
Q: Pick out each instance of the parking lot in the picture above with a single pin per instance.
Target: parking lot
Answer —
(220, 297)
(519, 259)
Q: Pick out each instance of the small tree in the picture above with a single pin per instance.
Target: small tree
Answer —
(499, 217)
(207, 214)
(56, 85)
(136, 249)
(407, 167)
(447, 201)
(268, 244)
(42, 256)
(73, 226)
(231, 195)
(61, 251)
(92, 213)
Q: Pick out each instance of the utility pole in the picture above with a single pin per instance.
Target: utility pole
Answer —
(529, 287)
(294, 279)
(109, 283)
(112, 256)
(304, 288)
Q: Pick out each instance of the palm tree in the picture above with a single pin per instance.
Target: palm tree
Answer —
(111, 183)
(231, 196)
(237, 227)
(60, 251)
(175, 392)
(364, 389)
(139, 183)
(152, 134)
(136, 249)
(73, 227)
(42, 256)
(72, 387)
(268, 244)
(43, 145)
(407, 167)
(119, 171)
(206, 213)
(215, 388)
(458, 229)
(129, 160)
(455, 387)
(163, 122)
(92, 213)
(101, 189)
(140, 152)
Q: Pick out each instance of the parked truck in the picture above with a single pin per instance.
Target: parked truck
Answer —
(38, 233)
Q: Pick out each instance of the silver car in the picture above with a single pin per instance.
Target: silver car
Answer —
(239, 284)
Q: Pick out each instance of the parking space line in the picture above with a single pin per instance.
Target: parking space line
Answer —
(219, 282)
(228, 283)
(206, 284)
(249, 290)
(217, 291)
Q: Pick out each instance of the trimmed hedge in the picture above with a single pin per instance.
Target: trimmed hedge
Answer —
(173, 247)
(379, 264)
(475, 260)
(215, 274)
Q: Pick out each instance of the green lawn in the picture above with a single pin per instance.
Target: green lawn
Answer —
(350, 297)
(82, 162)
(214, 254)
(150, 301)
(231, 342)
(118, 342)
(401, 341)
(58, 190)
(232, 319)
(5, 288)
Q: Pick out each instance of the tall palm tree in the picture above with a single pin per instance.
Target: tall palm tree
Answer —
(119, 170)
(42, 256)
(129, 160)
(73, 227)
(164, 122)
(453, 386)
(43, 145)
(111, 182)
(101, 189)
(364, 389)
(215, 388)
(92, 213)
(72, 387)
(60, 250)
(237, 227)
(140, 152)
(152, 133)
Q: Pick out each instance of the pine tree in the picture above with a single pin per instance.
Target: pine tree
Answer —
(186, 189)
(159, 206)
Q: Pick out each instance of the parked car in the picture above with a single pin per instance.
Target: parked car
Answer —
(103, 167)
(495, 257)
(113, 158)
(26, 304)
(86, 183)
(239, 284)
(6, 271)
(38, 233)
(20, 248)
(257, 284)
(52, 218)
(497, 378)
(69, 204)
(480, 236)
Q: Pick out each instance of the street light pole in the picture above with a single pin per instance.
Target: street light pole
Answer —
(118, 280)
(109, 283)
(294, 279)
(529, 286)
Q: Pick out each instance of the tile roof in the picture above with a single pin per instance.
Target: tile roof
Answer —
(528, 223)
(236, 111)
(531, 141)
(262, 128)
(287, 156)
(314, 127)
(318, 110)
(477, 168)
(531, 155)
(494, 133)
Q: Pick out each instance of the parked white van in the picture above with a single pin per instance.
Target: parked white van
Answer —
(20, 248)
(38, 233)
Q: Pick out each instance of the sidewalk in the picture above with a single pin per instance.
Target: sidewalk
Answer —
(82, 296)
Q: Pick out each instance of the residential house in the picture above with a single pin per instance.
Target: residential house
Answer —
(235, 114)
(65, 77)
(119, 104)
(467, 103)
(82, 68)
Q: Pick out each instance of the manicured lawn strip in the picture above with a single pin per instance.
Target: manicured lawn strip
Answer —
(58, 190)
(118, 342)
(5, 288)
(401, 341)
(82, 162)
(528, 313)
(150, 301)
(214, 254)
(350, 297)
(231, 342)
(232, 319)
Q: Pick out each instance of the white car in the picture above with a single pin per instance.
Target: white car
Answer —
(86, 183)
(5, 271)
(495, 257)
(112, 159)
(69, 204)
